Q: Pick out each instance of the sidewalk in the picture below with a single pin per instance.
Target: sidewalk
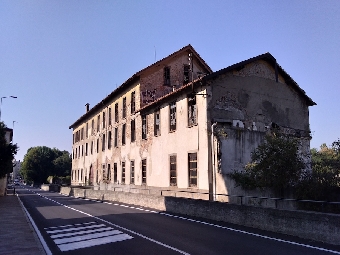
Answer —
(17, 236)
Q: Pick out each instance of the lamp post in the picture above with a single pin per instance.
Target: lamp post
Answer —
(1, 103)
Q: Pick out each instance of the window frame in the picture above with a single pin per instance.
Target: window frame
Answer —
(133, 130)
(192, 171)
(124, 108)
(123, 173)
(132, 172)
(173, 164)
(172, 116)
(157, 126)
(144, 127)
(124, 134)
(144, 171)
(133, 102)
(192, 110)
(166, 76)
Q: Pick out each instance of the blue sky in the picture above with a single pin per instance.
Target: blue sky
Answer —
(56, 55)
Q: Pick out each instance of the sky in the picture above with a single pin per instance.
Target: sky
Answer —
(58, 55)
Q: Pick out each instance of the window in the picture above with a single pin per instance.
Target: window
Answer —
(116, 113)
(167, 75)
(186, 74)
(82, 150)
(133, 102)
(116, 137)
(76, 153)
(144, 127)
(133, 130)
(173, 116)
(79, 151)
(92, 126)
(157, 123)
(98, 123)
(144, 171)
(73, 138)
(91, 147)
(103, 143)
(97, 145)
(103, 119)
(87, 130)
(110, 120)
(173, 170)
(192, 110)
(123, 172)
(108, 172)
(132, 172)
(115, 172)
(123, 133)
(104, 174)
(109, 138)
(82, 133)
(192, 166)
(124, 107)
(86, 147)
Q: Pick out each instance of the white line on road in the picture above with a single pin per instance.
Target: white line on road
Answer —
(82, 232)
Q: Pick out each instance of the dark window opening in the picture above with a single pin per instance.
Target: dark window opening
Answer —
(109, 140)
(116, 137)
(115, 172)
(167, 75)
(192, 111)
(109, 172)
(173, 116)
(157, 123)
(123, 172)
(186, 74)
(124, 107)
(133, 130)
(144, 127)
(103, 119)
(110, 117)
(98, 123)
(133, 102)
(103, 143)
(116, 113)
(123, 134)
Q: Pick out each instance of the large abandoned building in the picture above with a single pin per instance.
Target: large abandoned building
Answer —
(177, 125)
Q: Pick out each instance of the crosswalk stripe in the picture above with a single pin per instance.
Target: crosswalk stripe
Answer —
(94, 242)
(79, 238)
(74, 229)
(81, 232)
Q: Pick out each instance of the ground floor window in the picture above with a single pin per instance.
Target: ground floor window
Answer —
(144, 171)
(132, 172)
(115, 172)
(123, 172)
(173, 170)
(192, 167)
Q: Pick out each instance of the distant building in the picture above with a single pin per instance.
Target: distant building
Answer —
(176, 125)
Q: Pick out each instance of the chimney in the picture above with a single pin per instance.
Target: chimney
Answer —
(87, 107)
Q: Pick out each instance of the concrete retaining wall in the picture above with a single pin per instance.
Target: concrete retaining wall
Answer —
(310, 225)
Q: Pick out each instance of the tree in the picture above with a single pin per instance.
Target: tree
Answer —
(7, 152)
(275, 164)
(41, 162)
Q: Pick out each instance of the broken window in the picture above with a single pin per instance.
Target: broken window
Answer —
(192, 167)
(144, 171)
(103, 119)
(103, 143)
(115, 172)
(192, 110)
(186, 73)
(133, 102)
(167, 75)
(116, 137)
(116, 113)
(123, 133)
(133, 130)
(108, 172)
(123, 172)
(124, 107)
(110, 120)
(157, 123)
(109, 138)
(87, 130)
(173, 170)
(144, 127)
(132, 172)
(173, 116)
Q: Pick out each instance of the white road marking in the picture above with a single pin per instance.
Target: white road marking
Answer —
(73, 229)
(81, 232)
(86, 237)
(89, 243)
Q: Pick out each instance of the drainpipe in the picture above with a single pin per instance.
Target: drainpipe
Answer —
(213, 160)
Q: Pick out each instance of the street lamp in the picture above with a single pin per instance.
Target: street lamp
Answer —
(1, 103)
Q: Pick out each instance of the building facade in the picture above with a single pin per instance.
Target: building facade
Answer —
(176, 125)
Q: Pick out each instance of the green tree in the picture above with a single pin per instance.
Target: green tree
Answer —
(7, 152)
(275, 164)
(41, 162)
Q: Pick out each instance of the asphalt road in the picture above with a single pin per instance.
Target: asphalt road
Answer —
(70, 225)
